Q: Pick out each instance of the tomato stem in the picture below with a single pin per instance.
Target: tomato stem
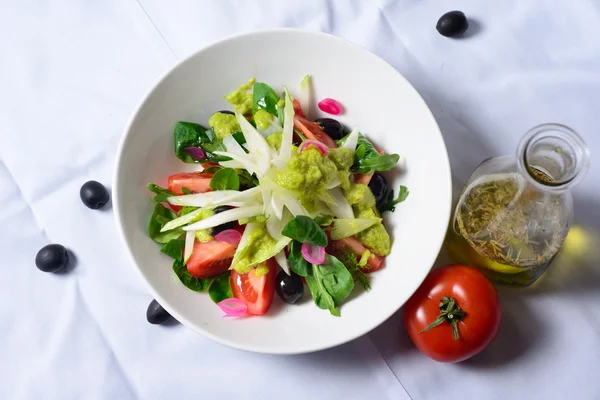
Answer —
(449, 312)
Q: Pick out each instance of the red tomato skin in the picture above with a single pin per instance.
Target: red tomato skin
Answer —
(298, 108)
(196, 182)
(474, 294)
(352, 244)
(210, 259)
(243, 288)
(312, 131)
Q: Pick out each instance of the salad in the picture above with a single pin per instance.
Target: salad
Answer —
(278, 201)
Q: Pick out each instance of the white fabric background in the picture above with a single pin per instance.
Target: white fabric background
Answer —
(72, 71)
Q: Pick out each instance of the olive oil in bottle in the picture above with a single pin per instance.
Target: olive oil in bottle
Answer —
(514, 214)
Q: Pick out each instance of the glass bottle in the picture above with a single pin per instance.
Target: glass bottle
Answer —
(514, 213)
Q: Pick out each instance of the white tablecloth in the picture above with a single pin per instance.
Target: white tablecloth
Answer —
(72, 71)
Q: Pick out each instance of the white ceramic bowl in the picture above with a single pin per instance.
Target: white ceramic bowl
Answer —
(376, 98)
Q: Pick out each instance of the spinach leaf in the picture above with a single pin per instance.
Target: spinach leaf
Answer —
(247, 180)
(162, 194)
(174, 248)
(220, 289)
(389, 204)
(264, 98)
(159, 218)
(190, 282)
(188, 134)
(225, 179)
(305, 230)
(330, 284)
(297, 263)
(211, 144)
(380, 163)
(185, 190)
(239, 137)
(212, 169)
(356, 267)
(367, 159)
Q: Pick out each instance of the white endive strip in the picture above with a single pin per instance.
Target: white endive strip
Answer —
(190, 237)
(214, 198)
(180, 221)
(266, 196)
(342, 228)
(273, 226)
(242, 246)
(276, 225)
(226, 216)
(277, 206)
(285, 151)
(305, 88)
(247, 161)
(341, 208)
(256, 144)
(322, 208)
(232, 164)
(293, 204)
(327, 199)
(233, 146)
(335, 182)
(283, 262)
(274, 127)
(352, 140)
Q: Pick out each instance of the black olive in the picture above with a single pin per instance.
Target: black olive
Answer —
(94, 195)
(51, 258)
(156, 314)
(452, 24)
(289, 288)
(379, 187)
(226, 112)
(331, 127)
(226, 225)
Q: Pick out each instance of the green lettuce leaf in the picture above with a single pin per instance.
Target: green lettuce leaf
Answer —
(367, 159)
(161, 216)
(330, 284)
(305, 230)
(190, 282)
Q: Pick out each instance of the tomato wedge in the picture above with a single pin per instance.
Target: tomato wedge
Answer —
(363, 178)
(354, 245)
(312, 131)
(298, 109)
(256, 291)
(196, 182)
(210, 259)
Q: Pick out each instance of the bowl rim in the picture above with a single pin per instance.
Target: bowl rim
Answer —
(166, 304)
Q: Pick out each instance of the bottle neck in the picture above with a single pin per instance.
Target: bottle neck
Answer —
(553, 157)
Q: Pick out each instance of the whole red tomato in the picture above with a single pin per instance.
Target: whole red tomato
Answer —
(454, 315)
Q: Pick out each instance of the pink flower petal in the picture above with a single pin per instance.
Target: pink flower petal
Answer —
(318, 145)
(313, 254)
(233, 307)
(330, 106)
(231, 236)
